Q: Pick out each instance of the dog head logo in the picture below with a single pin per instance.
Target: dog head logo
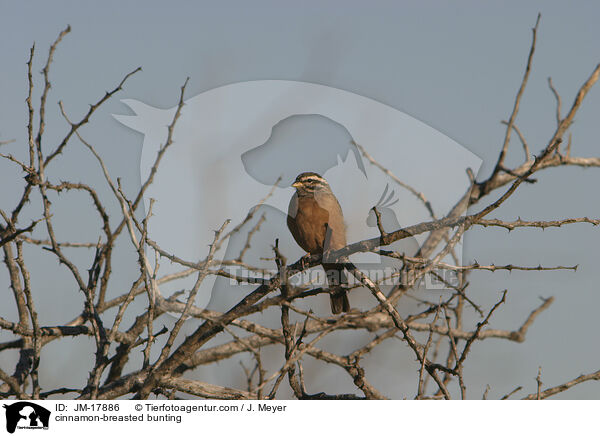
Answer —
(238, 144)
(26, 415)
(297, 144)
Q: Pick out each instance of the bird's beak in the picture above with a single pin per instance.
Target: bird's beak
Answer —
(296, 184)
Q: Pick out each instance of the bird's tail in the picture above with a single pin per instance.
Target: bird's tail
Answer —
(336, 278)
(339, 302)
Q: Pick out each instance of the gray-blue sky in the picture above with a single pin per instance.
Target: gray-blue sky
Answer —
(455, 66)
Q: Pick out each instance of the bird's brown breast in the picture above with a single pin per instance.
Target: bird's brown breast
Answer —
(309, 221)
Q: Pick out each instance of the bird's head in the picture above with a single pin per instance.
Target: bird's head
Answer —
(310, 183)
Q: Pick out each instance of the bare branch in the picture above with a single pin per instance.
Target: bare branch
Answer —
(558, 100)
(563, 387)
(515, 110)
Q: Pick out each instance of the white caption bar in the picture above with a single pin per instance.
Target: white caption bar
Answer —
(298, 417)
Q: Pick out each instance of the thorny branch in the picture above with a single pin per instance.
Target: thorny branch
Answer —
(441, 327)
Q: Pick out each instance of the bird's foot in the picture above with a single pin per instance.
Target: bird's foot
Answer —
(304, 261)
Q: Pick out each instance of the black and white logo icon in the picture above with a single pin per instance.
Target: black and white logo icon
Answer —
(26, 415)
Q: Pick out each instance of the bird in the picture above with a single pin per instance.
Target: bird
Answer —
(316, 222)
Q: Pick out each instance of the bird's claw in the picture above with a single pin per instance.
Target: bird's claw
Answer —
(303, 261)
